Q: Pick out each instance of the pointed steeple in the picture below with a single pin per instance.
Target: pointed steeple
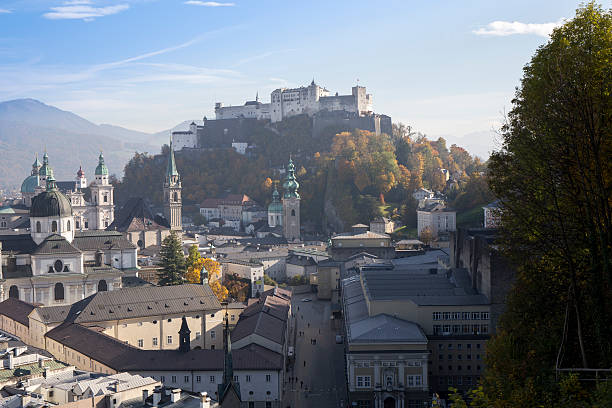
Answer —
(291, 185)
(228, 382)
(171, 169)
(228, 363)
(184, 337)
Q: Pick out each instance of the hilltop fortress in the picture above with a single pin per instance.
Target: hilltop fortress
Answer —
(233, 125)
(296, 101)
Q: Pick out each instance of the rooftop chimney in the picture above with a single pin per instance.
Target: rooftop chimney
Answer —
(204, 400)
(176, 395)
(157, 394)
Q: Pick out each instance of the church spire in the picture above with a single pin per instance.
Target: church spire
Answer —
(228, 363)
(171, 169)
(291, 185)
(228, 382)
(184, 337)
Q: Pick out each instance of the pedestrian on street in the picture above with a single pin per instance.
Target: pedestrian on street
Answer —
(301, 384)
(304, 363)
(308, 324)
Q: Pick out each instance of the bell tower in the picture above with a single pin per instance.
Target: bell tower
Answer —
(172, 194)
(291, 205)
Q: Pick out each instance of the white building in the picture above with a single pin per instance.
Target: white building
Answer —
(96, 214)
(56, 264)
(436, 218)
(422, 194)
(254, 272)
(185, 139)
(296, 101)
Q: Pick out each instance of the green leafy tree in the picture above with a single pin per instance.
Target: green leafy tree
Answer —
(172, 261)
(554, 178)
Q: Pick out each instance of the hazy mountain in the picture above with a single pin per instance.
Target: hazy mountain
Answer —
(28, 126)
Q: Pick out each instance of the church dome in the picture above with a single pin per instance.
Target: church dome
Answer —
(51, 203)
(275, 206)
(29, 184)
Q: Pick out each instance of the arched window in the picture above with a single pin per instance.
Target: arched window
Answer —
(37, 226)
(293, 213)
(54, 226)
(14, 292)
(102, 286)
(59, 291)
(175, 197)
(68, 226)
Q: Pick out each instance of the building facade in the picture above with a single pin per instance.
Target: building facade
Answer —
(96, 214)
(307, 100)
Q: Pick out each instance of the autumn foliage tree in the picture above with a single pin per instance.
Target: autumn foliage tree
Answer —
(554, 178)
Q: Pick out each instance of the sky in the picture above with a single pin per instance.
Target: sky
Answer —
(446, 68)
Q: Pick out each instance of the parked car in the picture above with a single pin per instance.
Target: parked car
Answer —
(339, 339)
(290, 351)
(306, 300)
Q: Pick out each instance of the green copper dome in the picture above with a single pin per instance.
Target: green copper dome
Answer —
(51, 203)
(291, 185)
(275, 206)
(29, 184)
(101, 170)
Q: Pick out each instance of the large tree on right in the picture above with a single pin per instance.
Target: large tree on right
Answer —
(553, 176)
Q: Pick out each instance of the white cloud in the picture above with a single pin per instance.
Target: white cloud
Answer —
(83, 12)
(209, 3)
(5, 11)
(505, 28)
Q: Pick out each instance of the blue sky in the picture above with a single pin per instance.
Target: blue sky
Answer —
(445, 67)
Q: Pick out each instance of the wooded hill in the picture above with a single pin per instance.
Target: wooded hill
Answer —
(359, 172)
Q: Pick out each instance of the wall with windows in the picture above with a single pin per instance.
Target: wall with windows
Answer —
(255, 385)
(161, 332)
(456, 362)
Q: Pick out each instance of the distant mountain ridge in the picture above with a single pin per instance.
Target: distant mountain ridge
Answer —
(28, 126)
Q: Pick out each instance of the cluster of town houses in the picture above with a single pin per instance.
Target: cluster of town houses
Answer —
(83, 318)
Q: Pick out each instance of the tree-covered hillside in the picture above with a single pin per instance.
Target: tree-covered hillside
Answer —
(346, 175)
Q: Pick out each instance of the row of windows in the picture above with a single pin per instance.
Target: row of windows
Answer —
(459, 346)
(461, 329)
(459, 368)
(53, 226)
(459, 357)
(212, 379)
(460, 315)
(169, 321)
(458, 380)
(154, 341)
(365, 364)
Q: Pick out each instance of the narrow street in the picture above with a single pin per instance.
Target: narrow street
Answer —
(319, 367)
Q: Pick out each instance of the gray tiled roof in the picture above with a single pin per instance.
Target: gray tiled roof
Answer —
(147, 301)
(419, 286)
(17, 310)
(55, 244)
(17, 243)
(266, 317)
(94, 240)
(52, 314)
(123, 357)
(386, 329)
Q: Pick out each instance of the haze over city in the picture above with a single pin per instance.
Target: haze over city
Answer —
(445, 68)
